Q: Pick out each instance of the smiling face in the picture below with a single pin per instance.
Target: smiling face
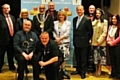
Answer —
(44, 37)
(27, 26)
(80, 10)
(51, 6)
(98, 14)
(62, 16)
(24, 13)
(114, 20)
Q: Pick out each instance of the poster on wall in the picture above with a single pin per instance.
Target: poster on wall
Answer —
(45, 1)
(76, 2)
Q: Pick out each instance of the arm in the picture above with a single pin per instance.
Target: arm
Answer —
(34, 25)
(52, 60)
(104, 33)
(17, 43)
(116, 40)
(67, 33)
(51, 25)
(90, 29)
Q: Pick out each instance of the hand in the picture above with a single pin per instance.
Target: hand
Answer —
(58, 41)
(30, 55)
(41, 63)
(98, 44)
(25, 56)
(110, 43)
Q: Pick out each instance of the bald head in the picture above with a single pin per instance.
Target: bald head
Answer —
(42, 9)
(6, 9)
(80, 10)
(27, 25)
(91, 9)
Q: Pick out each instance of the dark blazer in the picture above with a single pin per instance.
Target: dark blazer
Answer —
(48, 25)
(55, 14)
(19, 24)
(4, 29)
(83, 33)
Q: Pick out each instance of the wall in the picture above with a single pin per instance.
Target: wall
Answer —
(114, 7)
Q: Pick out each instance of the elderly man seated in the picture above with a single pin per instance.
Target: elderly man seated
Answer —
(24, 45)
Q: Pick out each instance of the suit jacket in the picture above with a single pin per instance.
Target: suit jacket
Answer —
(48, 25)
(4, 29)
(83, 33)
(19, 24)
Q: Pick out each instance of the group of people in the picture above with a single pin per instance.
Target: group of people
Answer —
(91, 37)
(45, 41)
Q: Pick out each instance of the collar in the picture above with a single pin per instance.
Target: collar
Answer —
(80, 17)
(6, 15)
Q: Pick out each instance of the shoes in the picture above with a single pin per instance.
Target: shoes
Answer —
(0, 71)
(111, 76)
(41, 78)
(65, 74)
(116, 78)
(74, 73)
(96, 74)
(83, 76)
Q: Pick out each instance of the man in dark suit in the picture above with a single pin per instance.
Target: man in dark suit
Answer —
(43, 23)
(7, 30)
(51, 11)
(82, 33)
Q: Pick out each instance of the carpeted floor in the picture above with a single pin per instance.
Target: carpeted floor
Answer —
(10, 75)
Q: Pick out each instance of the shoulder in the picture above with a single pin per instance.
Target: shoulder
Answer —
(55, 11)
(75, 18)
(18, 19)
(33, 33)
(19, 32)
(12, 16)
(52, 43)
(68, 22)
(105, 20)
(86, 17)
(55, 22)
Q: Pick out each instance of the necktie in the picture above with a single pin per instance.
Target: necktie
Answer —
(52, 14)
(10, 25)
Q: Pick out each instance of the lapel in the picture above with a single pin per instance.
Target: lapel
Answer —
(4, 19)
(75, 22)
(81, 23)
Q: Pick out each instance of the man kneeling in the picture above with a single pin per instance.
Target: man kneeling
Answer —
(52, 57)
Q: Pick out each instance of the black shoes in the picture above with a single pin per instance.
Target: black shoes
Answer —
(83, 76)
(74, 73)
(65, 74)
